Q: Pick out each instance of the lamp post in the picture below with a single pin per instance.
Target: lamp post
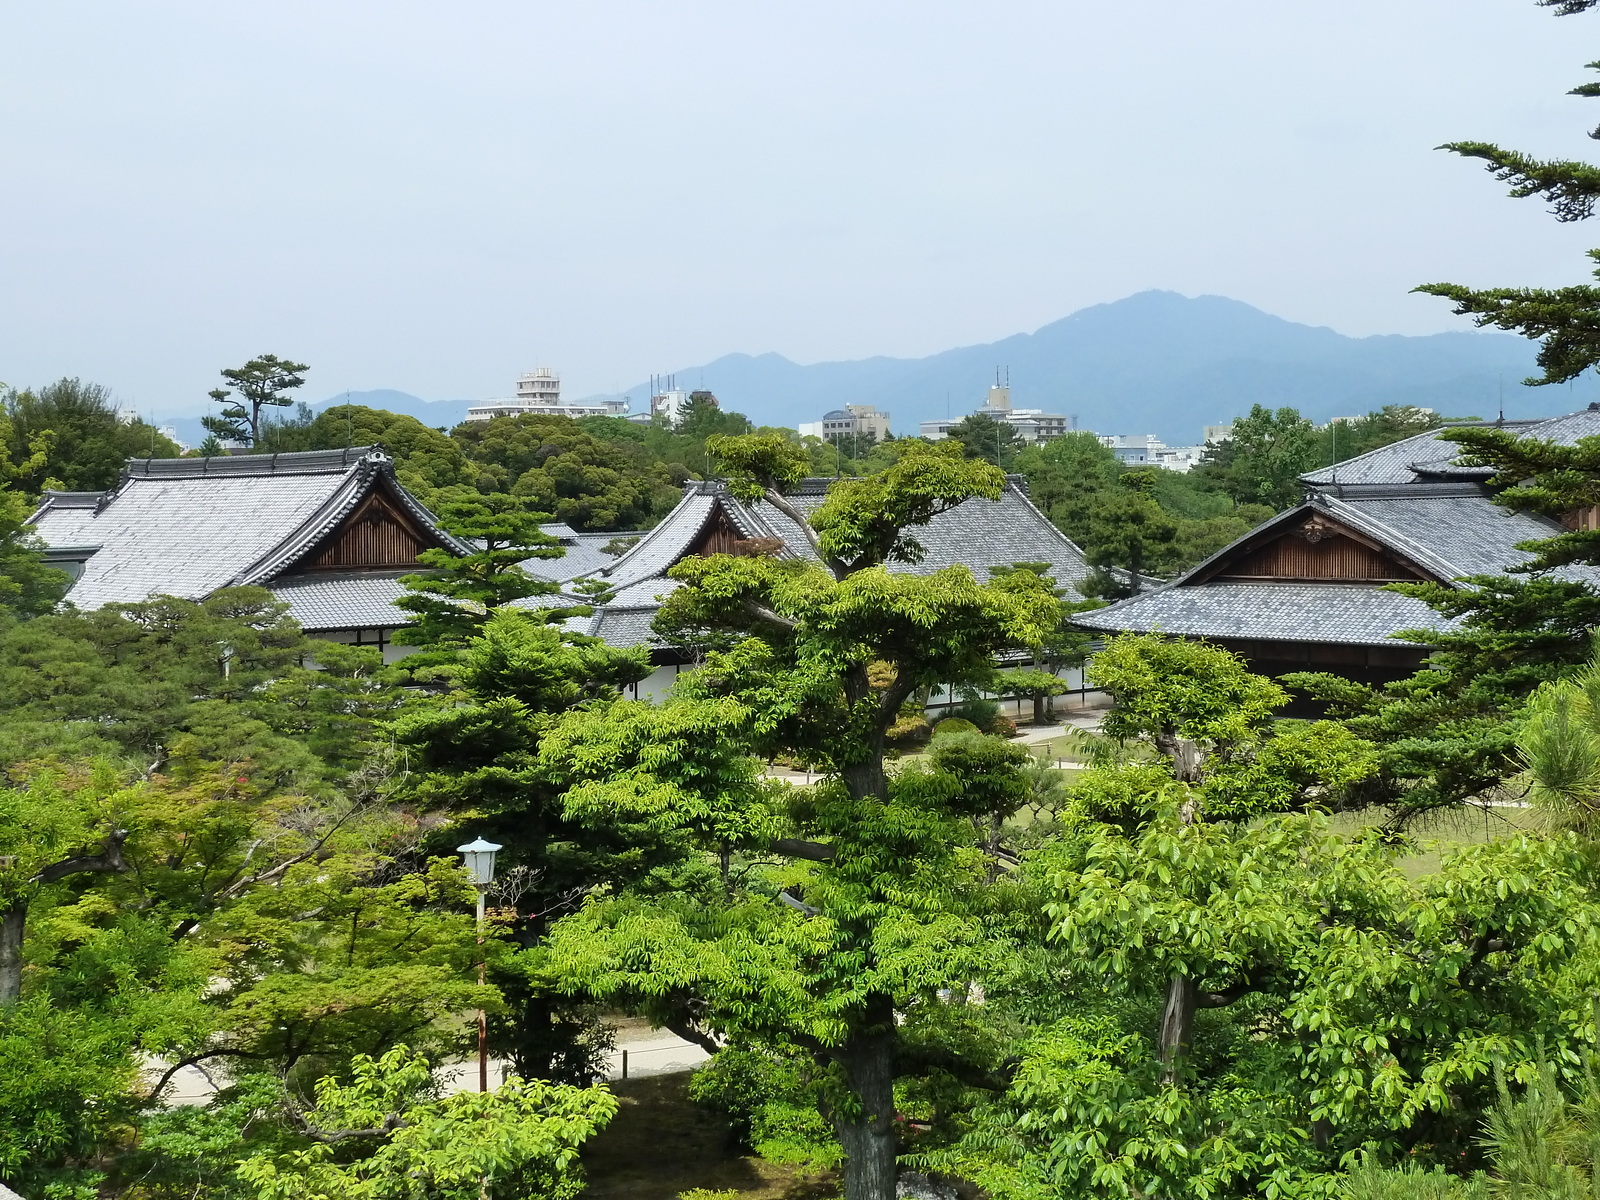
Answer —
(478, 856)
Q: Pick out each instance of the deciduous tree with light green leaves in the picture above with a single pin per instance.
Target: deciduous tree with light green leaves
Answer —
(385, 1136)
(1249, 999)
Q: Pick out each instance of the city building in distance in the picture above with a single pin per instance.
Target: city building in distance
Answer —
(851, 420)
(539, 395)
(1031, 424)
(1147, 450)
(670, 402)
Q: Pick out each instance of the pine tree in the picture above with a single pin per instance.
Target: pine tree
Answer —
(1566, 320)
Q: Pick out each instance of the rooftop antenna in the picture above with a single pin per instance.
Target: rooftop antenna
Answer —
(349, 421)
(1502, 419)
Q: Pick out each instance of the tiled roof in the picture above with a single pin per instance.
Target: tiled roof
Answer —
(1465, 534)
(1290, 612)
(1567, 430)
(978, 534)
(1428, 455)
(584, 554)
(188, 526)
(326, 600)
(1398, 462)
(1449, 530)
(65, 518)
(664, 545)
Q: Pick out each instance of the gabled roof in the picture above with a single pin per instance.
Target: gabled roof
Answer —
(978, 534)
(1446, 531)
(188, 526)
(1428, 456)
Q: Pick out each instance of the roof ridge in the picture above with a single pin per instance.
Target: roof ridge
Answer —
(1371, 525)
(292, 462)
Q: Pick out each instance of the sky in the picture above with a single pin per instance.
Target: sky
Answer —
(436, 197)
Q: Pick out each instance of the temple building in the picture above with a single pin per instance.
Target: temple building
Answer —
(1303, 591)
(978, 534)
(331, 532)
(328, 531)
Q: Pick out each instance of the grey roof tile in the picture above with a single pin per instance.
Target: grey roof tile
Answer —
(1291, 612)
(1567, 430)
(1395, 463)
(66, 518)
(324, 600)
(978, 534)
(188, 526)
(1470, 535)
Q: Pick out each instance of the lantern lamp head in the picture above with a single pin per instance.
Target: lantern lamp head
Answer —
(479, 858)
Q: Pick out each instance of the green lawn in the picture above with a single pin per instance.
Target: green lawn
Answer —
(1438, 834)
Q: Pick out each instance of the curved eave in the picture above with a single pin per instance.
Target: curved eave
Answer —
(364, 476)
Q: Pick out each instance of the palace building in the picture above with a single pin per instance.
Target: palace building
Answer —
(328, 531)
(1303, 591)
(331, 532)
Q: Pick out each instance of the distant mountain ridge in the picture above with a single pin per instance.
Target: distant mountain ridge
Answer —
(1156, 362)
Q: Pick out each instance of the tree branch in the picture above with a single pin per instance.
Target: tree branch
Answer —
(330, 1136)
(194, 1061)
(691, 1033)
(108, 860)
(762, 613)
(798, 904)
(781, 502)
(799, 848)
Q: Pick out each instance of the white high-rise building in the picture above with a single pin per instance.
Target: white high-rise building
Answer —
(539, 395)
(539, 386)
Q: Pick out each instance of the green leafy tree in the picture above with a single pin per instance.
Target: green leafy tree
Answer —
(560, 468)
(427, 461)
(1127, 530)
(519, 1142)
(262, 383)
(987, 439)
(474, 753)
(880, 906)
(27, 586)
(460, 593)
(1336, 1006)
(1342, 439)
(69, 435)
(1263, 458)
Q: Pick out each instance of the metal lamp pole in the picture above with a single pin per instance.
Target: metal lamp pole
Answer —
(478, 856)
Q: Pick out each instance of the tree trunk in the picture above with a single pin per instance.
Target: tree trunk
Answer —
(866, 779)
(1177, 1026)
(1041, 715)
(12, 921)
(868, 1136)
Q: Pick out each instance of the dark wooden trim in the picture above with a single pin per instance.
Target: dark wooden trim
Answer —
(1325, 527)
(379, 534)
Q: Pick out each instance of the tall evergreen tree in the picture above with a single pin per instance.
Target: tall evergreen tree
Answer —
(1566, 320)
(262, 383)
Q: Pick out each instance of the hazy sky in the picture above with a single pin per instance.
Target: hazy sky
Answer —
(436, 196)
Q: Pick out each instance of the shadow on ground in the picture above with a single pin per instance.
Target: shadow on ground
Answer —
(662, 1143)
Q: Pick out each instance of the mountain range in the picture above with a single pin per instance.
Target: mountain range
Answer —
(1156, 362)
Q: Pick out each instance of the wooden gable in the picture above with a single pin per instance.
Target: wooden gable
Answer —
(379, 535)
(1315, 549)
(719, 535)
